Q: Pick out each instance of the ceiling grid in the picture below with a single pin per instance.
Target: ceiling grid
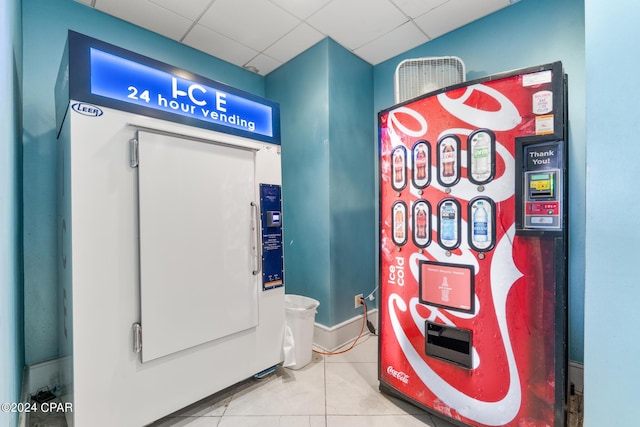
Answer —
(261, 35)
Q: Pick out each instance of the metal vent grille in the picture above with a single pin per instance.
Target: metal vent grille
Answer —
(415, 77)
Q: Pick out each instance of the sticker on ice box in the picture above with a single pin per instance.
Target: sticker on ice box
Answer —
(536, 78)
(542, 102)
(544, 124)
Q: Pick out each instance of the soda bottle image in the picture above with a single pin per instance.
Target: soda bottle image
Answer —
(448, 160)
(480, 224)
(421, 224)
(398, 226)
(444, 289)
(448, 232)
(398, 168)
(480, 146)
(421, 165)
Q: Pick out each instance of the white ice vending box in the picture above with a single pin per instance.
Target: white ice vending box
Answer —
(168, 293)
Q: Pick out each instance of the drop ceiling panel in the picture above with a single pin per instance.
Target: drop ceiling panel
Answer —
(354, 23)
(217, 45)
(415, 8)
(301, 9)
(294, 43)
(264, 64)
(254, 23)
(455, 14)
(401, 39)
(267, 33)
(147, 15)
(191, 9)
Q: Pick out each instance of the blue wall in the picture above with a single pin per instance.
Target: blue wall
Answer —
(45, 29)
(353, 149)
(612, 286)
(328, 148)
(11, 338)
(531, 32)
(302, 88)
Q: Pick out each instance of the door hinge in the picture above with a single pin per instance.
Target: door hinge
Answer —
(133, 153)
(137, 338)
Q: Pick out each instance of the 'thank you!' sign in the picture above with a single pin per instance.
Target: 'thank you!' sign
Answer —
(109, 76)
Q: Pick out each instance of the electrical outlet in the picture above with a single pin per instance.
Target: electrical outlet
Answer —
(357, 300)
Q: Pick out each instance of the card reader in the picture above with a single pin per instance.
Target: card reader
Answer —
(273, 218)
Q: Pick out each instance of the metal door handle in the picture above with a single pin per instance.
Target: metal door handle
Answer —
(255, 227)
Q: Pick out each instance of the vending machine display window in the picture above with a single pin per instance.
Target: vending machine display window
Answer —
(449, 286)
(481, 156)
(421, 158)
(421, 223)
(399, 223)
(448, 160)
(481, 223)
(399, 168)
(449, 223)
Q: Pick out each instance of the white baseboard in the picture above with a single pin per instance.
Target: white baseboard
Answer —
(576, 376)
(330, 339)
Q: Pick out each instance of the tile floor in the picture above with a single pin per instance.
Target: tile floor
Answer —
(332, 391)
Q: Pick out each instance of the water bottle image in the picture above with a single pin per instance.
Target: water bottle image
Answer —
(480, 224)
(448, 232)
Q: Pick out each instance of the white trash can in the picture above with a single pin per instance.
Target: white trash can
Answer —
(300, 314)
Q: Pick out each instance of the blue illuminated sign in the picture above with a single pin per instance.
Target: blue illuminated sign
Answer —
(109, 76)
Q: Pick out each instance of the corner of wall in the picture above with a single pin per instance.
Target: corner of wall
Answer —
(11, 291)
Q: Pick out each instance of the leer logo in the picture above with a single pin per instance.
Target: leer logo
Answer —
(401, 376)
(87, 109)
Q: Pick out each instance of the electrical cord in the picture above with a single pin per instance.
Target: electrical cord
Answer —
(364, 320)
(369, 324)
(370, 296)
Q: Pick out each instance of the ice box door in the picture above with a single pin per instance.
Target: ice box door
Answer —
(196, 240)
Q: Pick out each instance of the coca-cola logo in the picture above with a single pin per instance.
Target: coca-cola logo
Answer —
(401, 376)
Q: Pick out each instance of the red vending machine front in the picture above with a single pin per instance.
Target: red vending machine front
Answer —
(473, 250)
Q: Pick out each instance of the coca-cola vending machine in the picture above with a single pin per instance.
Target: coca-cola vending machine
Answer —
(473, 250)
